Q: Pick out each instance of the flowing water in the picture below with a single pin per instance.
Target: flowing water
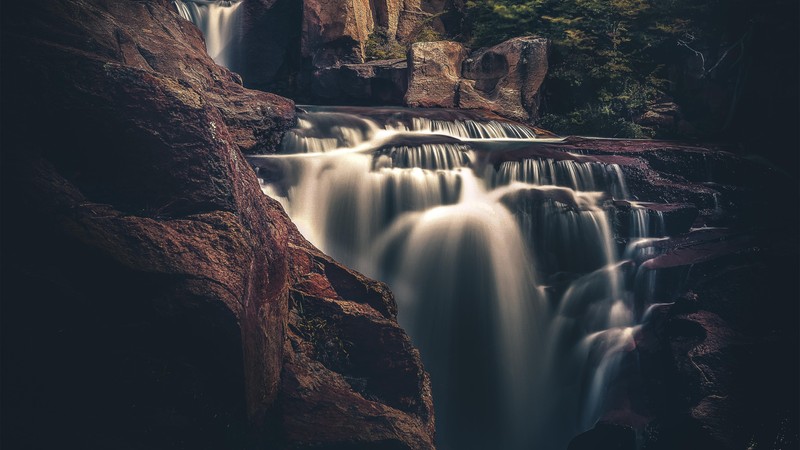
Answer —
(220, 22)
(507, 275)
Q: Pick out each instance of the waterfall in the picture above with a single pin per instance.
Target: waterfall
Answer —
(507, 278)
(220, 22)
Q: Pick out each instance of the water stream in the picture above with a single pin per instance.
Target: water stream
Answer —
(507, 276)
(220, 22)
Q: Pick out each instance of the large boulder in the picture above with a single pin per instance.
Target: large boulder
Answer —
(152, 296)
(506, 78)
(434, 74)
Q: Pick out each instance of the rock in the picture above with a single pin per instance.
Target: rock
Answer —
(416, 15)
(271, 44)
(153, 297)
(667, 120)
(506, 78)
(334, 32)
(605, 436)
(380, 82)
(434, 74)
(702, 355)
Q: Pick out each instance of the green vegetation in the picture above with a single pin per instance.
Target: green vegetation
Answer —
(610, 59)
(381, 45)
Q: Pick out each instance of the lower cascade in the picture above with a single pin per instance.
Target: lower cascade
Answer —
(508, 276)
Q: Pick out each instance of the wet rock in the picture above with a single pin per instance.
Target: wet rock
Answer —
(153, 287)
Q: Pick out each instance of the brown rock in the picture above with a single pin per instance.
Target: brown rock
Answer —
(159, 299)
(381, 82)
(506, 78)
(334, 31)
(434, 73)
(418, 14)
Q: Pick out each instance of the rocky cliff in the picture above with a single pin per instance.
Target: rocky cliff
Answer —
(152, 296)
(715, 365)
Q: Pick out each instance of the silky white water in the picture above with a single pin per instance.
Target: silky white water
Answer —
(507, 277)
(220, 22)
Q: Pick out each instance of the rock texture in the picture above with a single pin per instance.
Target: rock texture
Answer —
(334, 32)
(715, 366)
(377, 82)
(434, 74)
(504, 79)
(288, 44)
(152, 296)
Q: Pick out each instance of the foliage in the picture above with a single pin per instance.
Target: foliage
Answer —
(609, 57)
(381, 45)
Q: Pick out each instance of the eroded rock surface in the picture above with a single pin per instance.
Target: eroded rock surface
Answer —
(153, 297)
(504, 79)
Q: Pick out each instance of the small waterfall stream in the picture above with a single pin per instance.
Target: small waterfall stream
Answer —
(508, 277)
(220, 22)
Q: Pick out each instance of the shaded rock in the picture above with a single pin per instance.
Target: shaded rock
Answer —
(153, 287)
(334, 32)
(702, 355)
(380, 82)
(605, 436)
(271, 44)
(434, 74)
(353, 366)
(442, 16)
(506, 78)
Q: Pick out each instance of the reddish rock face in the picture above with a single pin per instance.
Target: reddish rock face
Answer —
(153, 296)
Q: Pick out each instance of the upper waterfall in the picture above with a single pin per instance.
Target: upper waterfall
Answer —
(220, 22)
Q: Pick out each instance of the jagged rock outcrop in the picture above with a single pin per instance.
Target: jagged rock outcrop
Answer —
(724, 320)
(152, 296)
(287, 45)
(504, 79)
(334, 32)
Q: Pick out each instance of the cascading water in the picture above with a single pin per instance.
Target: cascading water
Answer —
(220, 22)
(507, 276)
